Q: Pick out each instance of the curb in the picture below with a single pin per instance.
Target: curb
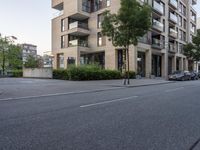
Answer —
(132, 86)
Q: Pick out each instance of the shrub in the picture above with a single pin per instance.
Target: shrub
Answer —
(17, 73)
(86, 72)
(60, 74)
(132, 74)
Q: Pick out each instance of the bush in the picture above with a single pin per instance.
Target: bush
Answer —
(60, 74)
(88, 72)
(17, 73)
(132, 74)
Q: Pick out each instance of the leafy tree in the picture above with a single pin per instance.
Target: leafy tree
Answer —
(32, 62)
(192, 50)
(10, 55)
(132, 21)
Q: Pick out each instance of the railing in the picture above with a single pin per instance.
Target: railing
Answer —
(157, 6)
(172, 48)
(81, 43)
(173, 32)
(156, 43)
(78, 25)
(58, 13)
(158, 25)
(174, 3)
(173, 17)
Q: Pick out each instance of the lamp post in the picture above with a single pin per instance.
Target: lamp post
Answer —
(4, 46)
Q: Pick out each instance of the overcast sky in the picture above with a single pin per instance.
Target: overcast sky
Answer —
(30, 21)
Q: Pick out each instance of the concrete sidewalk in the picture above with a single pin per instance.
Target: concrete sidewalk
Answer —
(20, 87)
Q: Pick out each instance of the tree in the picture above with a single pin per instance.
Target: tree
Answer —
(32, 62)
(192, 50)
(10, 55)
(132, 21)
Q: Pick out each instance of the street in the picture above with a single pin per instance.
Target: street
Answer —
(156, 117)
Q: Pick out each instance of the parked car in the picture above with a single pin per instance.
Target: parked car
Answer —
(194, 75)
(180, 76)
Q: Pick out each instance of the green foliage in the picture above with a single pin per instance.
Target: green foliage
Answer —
(32, 62)
(17, 73)
(132, 75)
(131, 22)
(60, 74)
(88, 72)
(10, 55)
(192, 50)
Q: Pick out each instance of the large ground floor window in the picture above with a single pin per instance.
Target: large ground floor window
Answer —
(94, 58)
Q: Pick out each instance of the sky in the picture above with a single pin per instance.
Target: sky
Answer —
(30, 21)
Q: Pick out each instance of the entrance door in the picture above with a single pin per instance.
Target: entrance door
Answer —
(156, 65)
(141, 64)
(170, 65)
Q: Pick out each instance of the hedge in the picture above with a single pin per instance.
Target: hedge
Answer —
(86, 73)
(16, 73)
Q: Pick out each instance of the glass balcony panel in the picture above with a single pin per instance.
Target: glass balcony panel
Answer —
(157, 6)
(173, 17)
(81, 43)
(173, 32)
(78, 25)
(158, 25)
(174, 3)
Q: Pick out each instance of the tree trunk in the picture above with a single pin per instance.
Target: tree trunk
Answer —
(125, 62)
(128, 65)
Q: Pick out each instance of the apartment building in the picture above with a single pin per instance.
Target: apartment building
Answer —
(77, 38)
(28, 50)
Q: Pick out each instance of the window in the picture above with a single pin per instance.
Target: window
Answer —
(100, 19)
(180, 21)
(62, 25)
(101, 40)
(107, 3)
(62, 41)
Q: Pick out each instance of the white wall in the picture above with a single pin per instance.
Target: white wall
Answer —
(38, 73)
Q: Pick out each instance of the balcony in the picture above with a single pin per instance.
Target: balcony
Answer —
(172, 48)
(173, 33)
(173, 17)
(173, 3)
(157, 44)
(78, 29)
(81, 43)
(78, 24)
(158, 7)
(58, 4)
(158, 25)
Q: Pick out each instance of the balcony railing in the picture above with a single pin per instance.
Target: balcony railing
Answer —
(158, 25)
(173, 33)
(58, 13)
(78, 24)
(156, 43)
(82, 43)
(174, 3)
(173, 17)
(172, 48)
(158, 7)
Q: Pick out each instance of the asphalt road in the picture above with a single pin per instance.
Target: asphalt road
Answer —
(159, 117)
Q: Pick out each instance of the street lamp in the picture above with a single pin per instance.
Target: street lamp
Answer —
(4, 46)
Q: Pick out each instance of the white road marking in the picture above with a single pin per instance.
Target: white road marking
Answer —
(176, 89)
(106, 102)
(57, 94)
